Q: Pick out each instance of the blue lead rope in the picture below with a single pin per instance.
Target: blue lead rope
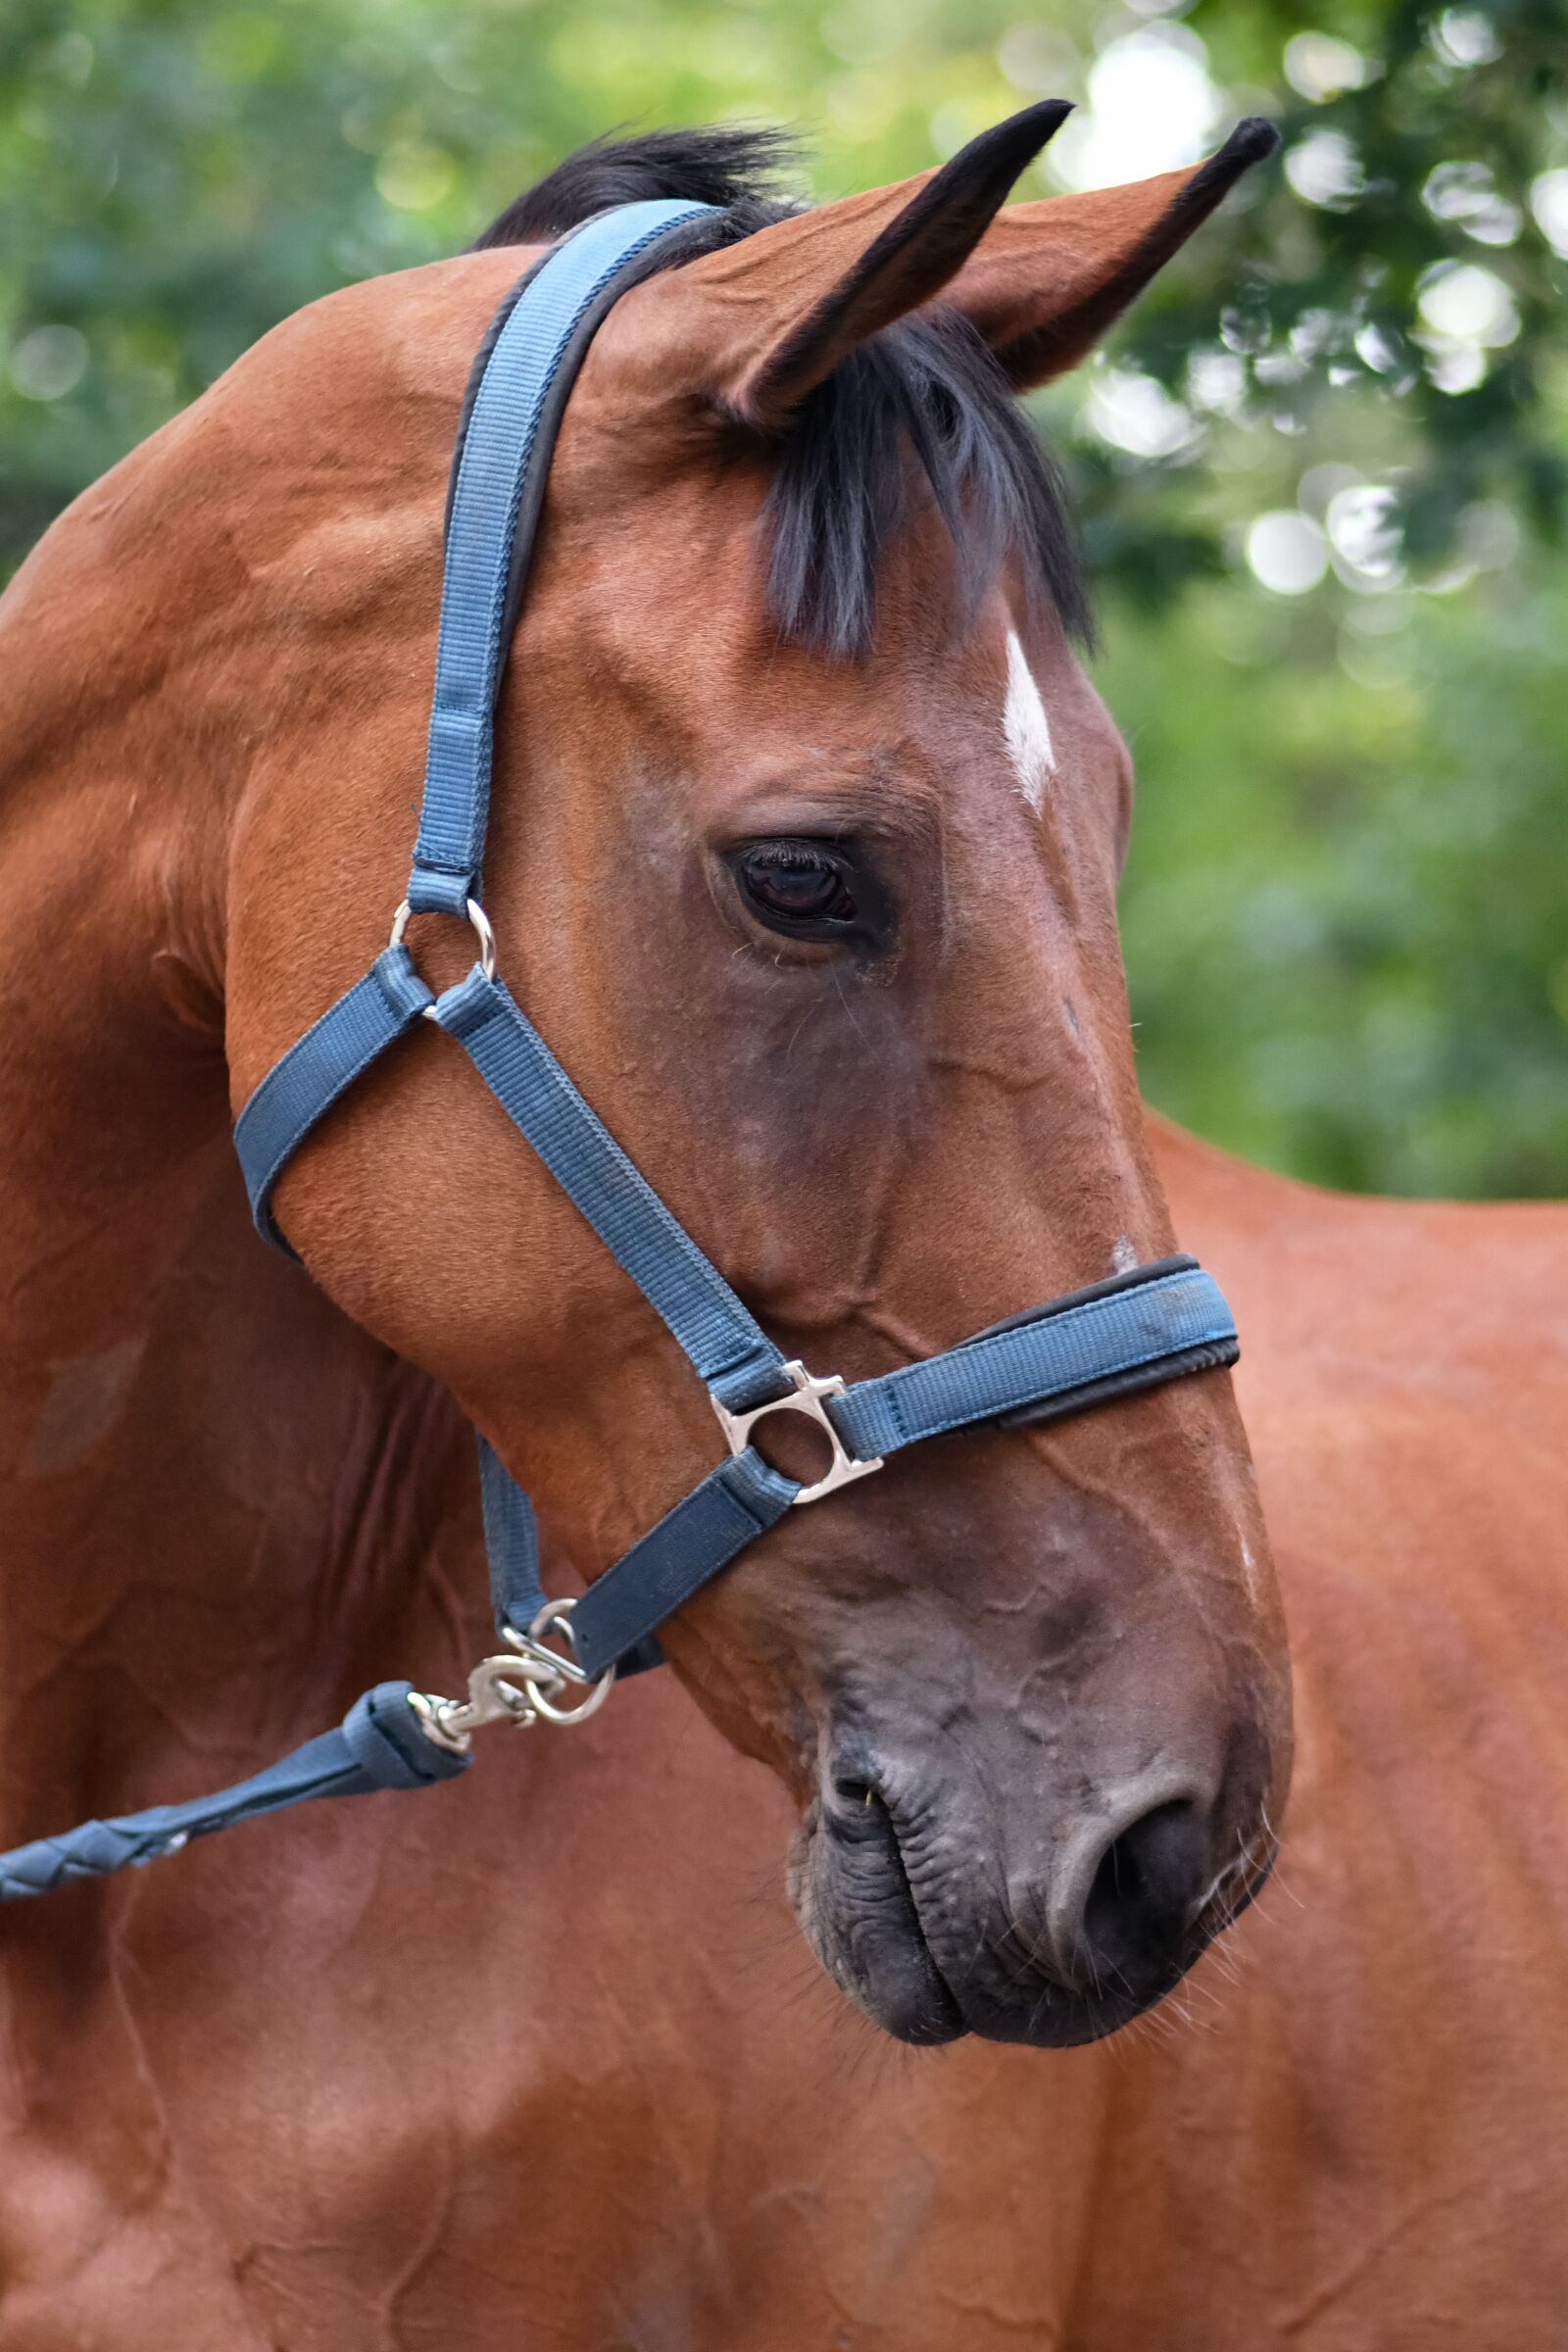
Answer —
(378, 1744)
(1157, 1323)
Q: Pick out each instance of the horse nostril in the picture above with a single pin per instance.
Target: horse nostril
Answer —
(851, 1791)
(1140, 1899)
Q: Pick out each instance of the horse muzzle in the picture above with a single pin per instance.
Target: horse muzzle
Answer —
(901, 1892)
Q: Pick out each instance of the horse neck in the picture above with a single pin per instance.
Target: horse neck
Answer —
(224, 1502)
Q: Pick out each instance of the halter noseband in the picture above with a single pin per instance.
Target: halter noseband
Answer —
(561, 1657)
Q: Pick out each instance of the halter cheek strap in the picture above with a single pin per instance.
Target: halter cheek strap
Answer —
(1157, 1323)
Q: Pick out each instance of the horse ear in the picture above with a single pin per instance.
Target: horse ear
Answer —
(780, 308)
(1048, 279)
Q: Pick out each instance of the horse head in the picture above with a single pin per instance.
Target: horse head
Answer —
(807, 825)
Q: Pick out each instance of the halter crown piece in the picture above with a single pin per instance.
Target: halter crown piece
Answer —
(560, 1658)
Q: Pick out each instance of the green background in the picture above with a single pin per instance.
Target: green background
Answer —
(1347, 911)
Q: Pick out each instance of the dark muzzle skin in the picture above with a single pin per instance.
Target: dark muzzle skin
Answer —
(949, 1896)
(903, 1915)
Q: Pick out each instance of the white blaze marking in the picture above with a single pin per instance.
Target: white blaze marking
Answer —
(1027, 728)
(1123, 1256)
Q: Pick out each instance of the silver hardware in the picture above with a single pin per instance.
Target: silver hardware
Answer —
(500, 1690)
(480, 923)
(843, 1470)
(517, 1686)
(558, 1671)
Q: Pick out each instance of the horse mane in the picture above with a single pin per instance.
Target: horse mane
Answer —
(843, 487)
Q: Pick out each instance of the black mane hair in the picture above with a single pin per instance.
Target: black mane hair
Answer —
(843, 487)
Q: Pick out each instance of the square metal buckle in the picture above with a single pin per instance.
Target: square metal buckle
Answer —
(807, 1399)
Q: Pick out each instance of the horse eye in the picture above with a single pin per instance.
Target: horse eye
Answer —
(795, 886)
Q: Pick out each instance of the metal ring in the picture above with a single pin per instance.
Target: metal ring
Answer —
(477, 918)
(556, 1618)
(805, 1398)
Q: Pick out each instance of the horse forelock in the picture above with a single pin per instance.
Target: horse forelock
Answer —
(920, 413)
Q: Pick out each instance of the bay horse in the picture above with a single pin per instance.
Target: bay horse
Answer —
(807, 829)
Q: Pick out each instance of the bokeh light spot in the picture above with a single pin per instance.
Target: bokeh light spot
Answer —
(1153, 106)
(1325, 169)
(1135, 412)
(1469, 303)
(1320, 65)
(49, 363)
(1466, 37)
(1465, 193)
(413, 177)
(1285, 552)
(1363, 529)
(1549, 201)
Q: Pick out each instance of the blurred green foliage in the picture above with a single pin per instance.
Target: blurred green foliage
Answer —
(1323, 470)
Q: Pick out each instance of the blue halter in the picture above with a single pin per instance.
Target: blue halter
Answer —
(560, 1658)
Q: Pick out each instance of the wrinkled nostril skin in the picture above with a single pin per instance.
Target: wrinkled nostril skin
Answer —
(1125, 1893)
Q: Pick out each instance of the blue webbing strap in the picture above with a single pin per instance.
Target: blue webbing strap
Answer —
(511, 1544)
(1061, 1349)
(333, 1051)
(511, 1548)
(497, 454)
(725, 1345)
(707, 1528)
(728, 1348)
(377, 1745)
(1065, 1349)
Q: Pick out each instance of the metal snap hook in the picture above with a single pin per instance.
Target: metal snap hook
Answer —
(555, 1671)
(499, 1691)
(517, 1685)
